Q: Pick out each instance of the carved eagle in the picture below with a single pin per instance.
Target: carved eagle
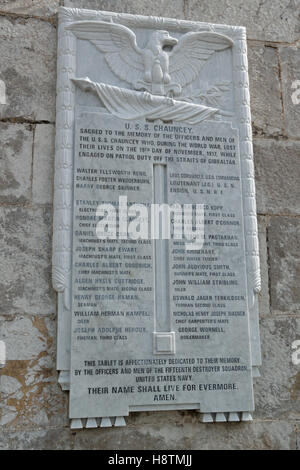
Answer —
(164, 65)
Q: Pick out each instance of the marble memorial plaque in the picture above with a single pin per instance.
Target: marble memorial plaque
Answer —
(155, 252)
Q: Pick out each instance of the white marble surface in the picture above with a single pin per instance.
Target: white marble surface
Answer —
(184, 343)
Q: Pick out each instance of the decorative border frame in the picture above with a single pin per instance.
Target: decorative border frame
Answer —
(63, 179)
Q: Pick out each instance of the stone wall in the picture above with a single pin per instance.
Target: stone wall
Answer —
(34, 409)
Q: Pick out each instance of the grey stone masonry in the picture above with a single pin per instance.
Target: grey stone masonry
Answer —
(267, 20)
(266, 105)
(16, 162)
(284, 251)
(277, 176)
(33, 408)
(28, 68)
(43, 164)
(41, 8)
(290, 70)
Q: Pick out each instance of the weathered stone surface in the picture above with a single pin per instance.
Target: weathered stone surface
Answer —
(29, 337)
(271, 20)
(277, 391)
(28, 68)
(31, 395)
(263, 297)
(290, 73)
(187, 432)
(43, 164)
(33, 406)
(264, 90)
(2, 93)
(284, 259)
(162, 275)
(37, 439)
(29, 7)
(143, 7)
(15, 163)
(277, 176)
(25, 285)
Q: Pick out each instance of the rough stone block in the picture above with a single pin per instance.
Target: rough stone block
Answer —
(269, 20)
(277, 176)
(25, 285)
(31, 396)
(29, 337)
(284, 258)
(44, 8)
(189, 433)
(41, 439)
(43, 164)
(28, 68)
(263, 297)
(142, 7)
(266, 107)
(15, 163)
(290, 73)
(277, 391)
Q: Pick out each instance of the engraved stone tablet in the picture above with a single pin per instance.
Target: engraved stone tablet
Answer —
(155, 252)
